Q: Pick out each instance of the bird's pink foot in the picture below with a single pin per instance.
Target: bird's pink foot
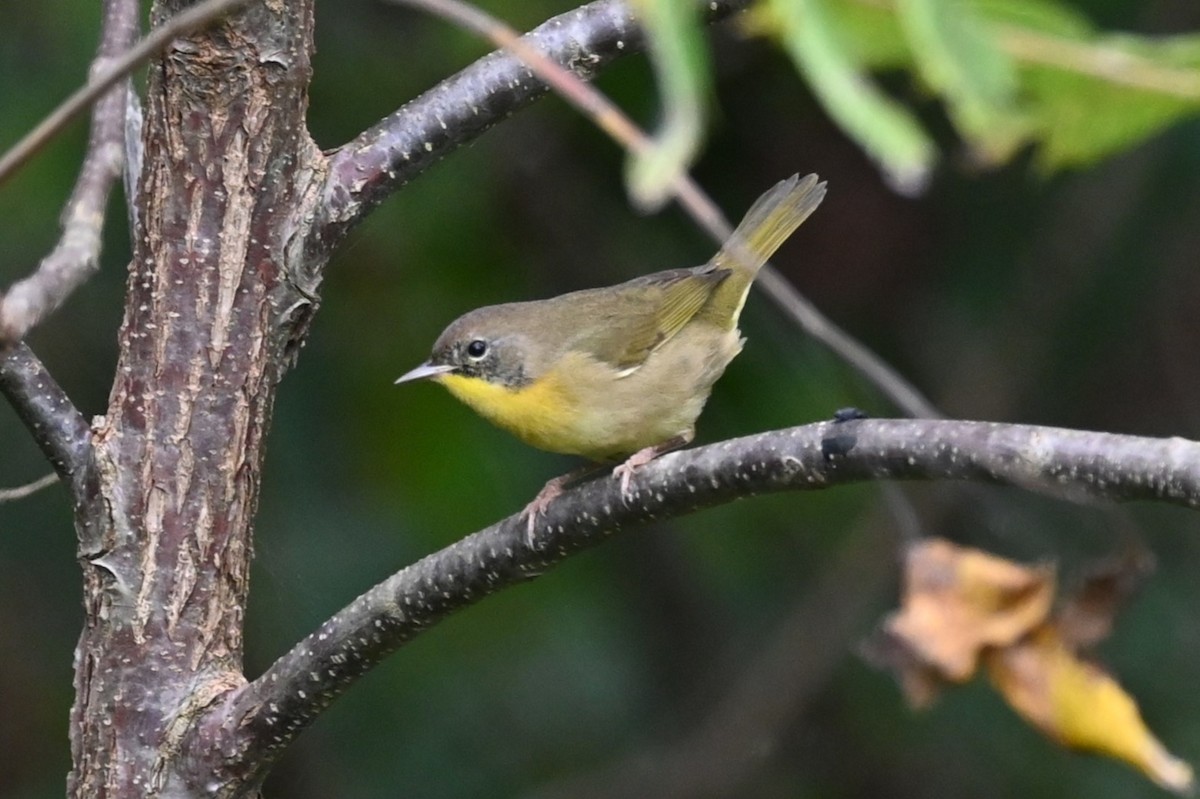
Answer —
(624, 471)
(537, 507)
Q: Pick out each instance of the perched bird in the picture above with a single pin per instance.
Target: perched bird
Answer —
(621, 371)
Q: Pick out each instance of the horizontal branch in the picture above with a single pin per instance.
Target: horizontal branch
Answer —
(255, 722)
(365, 171)
(58, 428)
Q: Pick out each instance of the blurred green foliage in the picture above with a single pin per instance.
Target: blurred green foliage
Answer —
(675, 34)
(1008, 73)
(1009, 293)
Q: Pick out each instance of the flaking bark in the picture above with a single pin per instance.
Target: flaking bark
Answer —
(209, 316)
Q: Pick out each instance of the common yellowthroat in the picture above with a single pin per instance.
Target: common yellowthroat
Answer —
(621, 371)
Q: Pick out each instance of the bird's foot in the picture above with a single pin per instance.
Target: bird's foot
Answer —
(624, 471)
(537, 507)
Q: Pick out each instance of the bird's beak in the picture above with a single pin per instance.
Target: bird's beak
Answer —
(425, 370)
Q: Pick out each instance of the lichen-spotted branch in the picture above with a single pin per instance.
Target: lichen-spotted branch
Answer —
(252, 724)
(57, 427)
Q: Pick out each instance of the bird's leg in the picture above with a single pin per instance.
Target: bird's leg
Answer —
(643, 456)
(624, 471)
(551, 491)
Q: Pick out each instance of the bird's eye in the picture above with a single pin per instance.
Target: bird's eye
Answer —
(477, 348)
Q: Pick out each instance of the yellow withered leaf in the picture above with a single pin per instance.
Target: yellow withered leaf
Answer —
(1079, 705)
(962, 605)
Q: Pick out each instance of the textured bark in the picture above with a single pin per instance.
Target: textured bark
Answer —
(210, 314)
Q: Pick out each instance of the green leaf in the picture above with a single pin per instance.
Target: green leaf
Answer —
(1046, 16)
(680, 58)
(1010, 72)
(957, 55)
(873, 34)
(882, 127)
(1089, 99)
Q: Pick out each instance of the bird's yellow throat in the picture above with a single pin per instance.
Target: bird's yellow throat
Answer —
(540, 414)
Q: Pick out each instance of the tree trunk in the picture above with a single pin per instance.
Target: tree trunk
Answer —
(211, 318)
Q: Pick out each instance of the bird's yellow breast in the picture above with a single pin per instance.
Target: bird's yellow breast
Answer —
(542, 414)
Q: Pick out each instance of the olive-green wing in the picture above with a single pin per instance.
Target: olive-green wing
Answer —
(646, 312)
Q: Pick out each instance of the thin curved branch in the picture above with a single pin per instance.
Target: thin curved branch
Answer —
(77, 253)
(861, 358)
(58, 428)
(196, 17)
(20, 492)
(252, 724)
(365, 171)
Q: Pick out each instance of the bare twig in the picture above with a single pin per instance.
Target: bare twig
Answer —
(78, 249)
(76, 255)
(57, 427)
(906, 397)
(609, 118)
(256, 722)
(194, 18)
(20, 492)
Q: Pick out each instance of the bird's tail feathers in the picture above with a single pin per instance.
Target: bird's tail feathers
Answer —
(768, 223)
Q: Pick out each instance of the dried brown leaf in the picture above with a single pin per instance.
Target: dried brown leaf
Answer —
(958, 601)
(1087, 618)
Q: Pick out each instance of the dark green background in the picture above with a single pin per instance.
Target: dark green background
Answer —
(1008, 295)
